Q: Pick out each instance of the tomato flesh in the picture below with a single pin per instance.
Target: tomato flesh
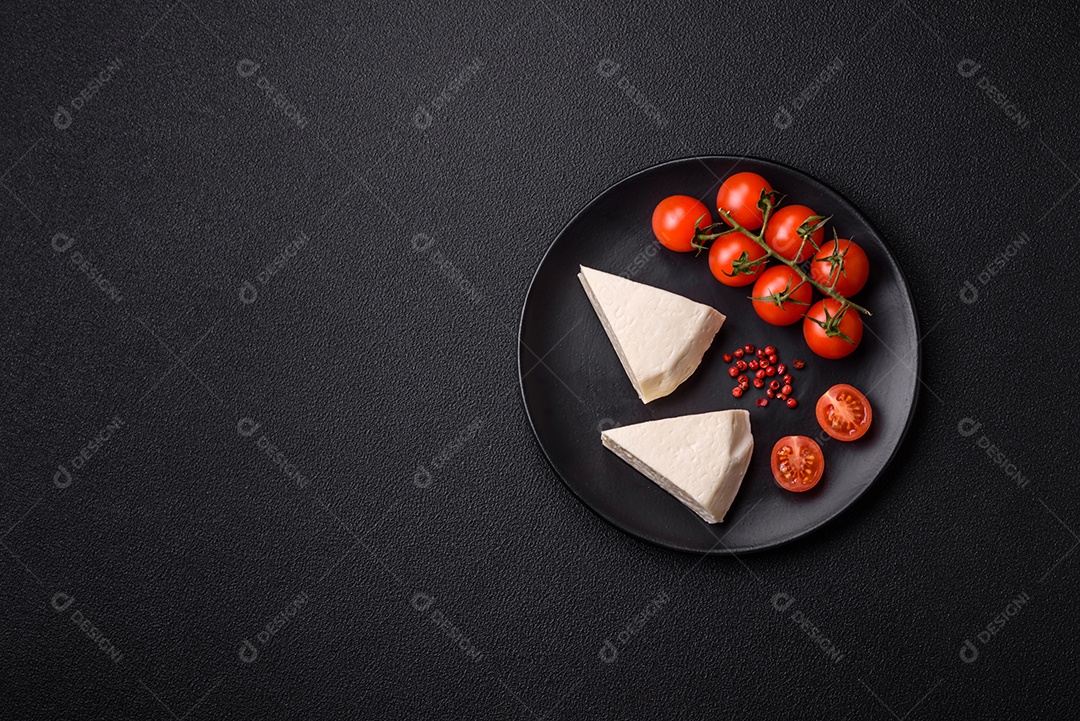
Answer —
(782, 234)
(675, 219)
(844, 413)
(797, 463)
(779, 279)
(726, 250)
(846, 276)
(832, 347)
(739, 195)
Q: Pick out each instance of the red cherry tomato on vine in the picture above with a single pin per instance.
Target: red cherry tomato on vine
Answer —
(729, 249)
(797, 463)
(844, 413)
(739, 196)
(776, 280)
(842, 262)
(674, 220)
(782, 234)
(826, 324)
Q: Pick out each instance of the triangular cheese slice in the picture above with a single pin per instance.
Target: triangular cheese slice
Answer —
(699, 459)
(659, 336)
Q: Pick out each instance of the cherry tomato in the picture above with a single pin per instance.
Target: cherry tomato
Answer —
(674, 220)
(780, 279)
(739, 196)
(842, 262)
(782, 234)
(726, 250)
(844, 413)
(826, 325)
(797, 463)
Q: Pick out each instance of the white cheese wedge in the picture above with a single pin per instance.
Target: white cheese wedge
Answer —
(659, 336)
(699, 459)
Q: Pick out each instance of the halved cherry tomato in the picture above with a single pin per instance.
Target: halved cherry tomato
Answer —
(776, 280)
(782, 234)
(726, 250)
(844, 413)
(844, 263)
(674, 220)
(797, 463)
(739, 196)
(830, 331)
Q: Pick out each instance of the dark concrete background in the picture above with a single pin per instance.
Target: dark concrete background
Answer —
(147, 544)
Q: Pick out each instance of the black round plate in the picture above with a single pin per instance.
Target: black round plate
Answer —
(574, 386)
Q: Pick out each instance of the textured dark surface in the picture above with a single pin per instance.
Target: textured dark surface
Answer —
(364, 359)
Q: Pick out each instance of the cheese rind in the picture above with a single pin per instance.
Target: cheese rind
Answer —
(700, 459)
(658, 336)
